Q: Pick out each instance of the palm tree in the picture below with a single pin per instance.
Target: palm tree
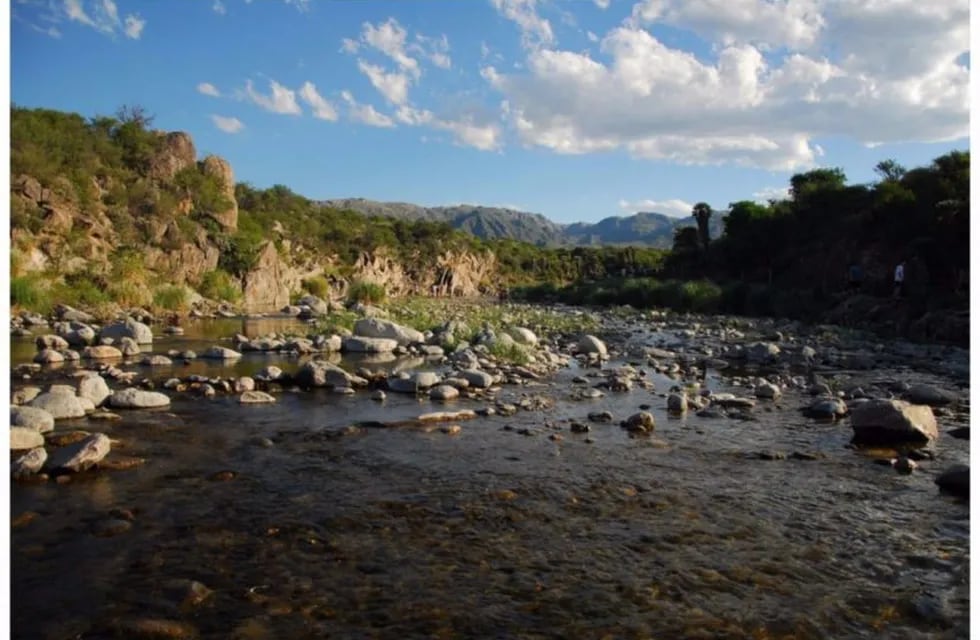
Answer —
(702, 213)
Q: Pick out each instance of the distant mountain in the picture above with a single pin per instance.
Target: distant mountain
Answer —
(644, 228)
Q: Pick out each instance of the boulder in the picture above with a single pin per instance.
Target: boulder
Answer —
(927, 394)
(220, 353)
(523, 335)
(319, 373)
(476, 378)
(955, 480)
(244, 384)
(316, 304)
(768, 391)
(80, 337)
(892, 422)
(134, 398)
(25, 395)
(31, 418)
(380, 328)
(51, 341)
(761, 352)
(129, 347)
(49, 356)
(677, 403)
(641, 422)
(269, 374)
(156, 360)
(256, 397)
(425, 379)
(443, 392)
(60, 405)
(101, 352)
(25, 438)
(64, 312)
(94, 388)
(402, 385)
(592, 344)
(81, 455)
(827, 408)
(128, 328)
(29, 463)
(359, 344)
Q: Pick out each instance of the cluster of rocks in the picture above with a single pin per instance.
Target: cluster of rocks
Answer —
(74, 340)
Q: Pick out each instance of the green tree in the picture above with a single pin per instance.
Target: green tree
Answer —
(890, 170)
(803, 184)
(702, 214)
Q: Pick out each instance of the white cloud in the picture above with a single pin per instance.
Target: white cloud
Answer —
(227, 124)
(466, 129)
(436, 50)
(389, 38)
(673, 207)
(322, 108)
(282, 100)
(393, 86)
(301, 5)
(134, 27)
(219, 8)
(591, 36)
(771, 193)
(535, 30)
(349, 46)
(602, 4)
(847, 68)
(208, 89)
(365, 113)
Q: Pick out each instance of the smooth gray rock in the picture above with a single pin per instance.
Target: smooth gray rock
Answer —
(129, 347)
(425, 379)
(269, 374)
(25, 395)
(134, 398)
(761, 352)
(95, 388)
(101, 352)
(31, 418)
(892, 422)
(128, 328)
(443, 392)
(955, 480)
(768, 391)
(256, 397)
(677, 403)
(402, 385)
(221, 353)
(25, 438)
(523, 335)
(244, 384)
(60, 405)
(49, 356)
(930, 395)
(476, 378)
(156, 360)
(380, 328)
(641, 422)
(81, 455)
(827, 408)
(80, 337)
(359, 344)
(320, 373)
(50, 341)
(592, 344)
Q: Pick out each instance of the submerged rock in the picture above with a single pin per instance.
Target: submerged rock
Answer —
(29, 463)
(80, 455)
(256, 397)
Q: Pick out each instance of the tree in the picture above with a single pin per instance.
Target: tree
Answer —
(686, 239)
(802, 184)
(889, 170)
(702, 213)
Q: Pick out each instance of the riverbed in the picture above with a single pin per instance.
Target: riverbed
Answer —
(309, 519)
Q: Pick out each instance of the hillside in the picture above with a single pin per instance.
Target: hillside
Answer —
(647, 229)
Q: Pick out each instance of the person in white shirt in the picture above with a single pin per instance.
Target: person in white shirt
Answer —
(899, 279)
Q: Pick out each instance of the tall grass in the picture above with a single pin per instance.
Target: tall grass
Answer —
(366, 292)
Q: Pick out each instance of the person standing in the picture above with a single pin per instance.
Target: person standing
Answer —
(900, 279)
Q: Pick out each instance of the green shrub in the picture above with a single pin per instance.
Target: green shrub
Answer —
(171, 298)
(29, 292)
(366, 292)
(317, 286)
(512, 353)
(219, 285)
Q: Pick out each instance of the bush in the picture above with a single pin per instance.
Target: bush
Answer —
(510, 353)
(366, 292)
(171, 298)
(317, 286)
(219, 285)
(29, 292)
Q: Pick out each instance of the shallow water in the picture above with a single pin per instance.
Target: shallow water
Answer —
(397, 532)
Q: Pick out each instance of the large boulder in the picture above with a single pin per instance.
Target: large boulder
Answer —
(955, 480)
(592, 344)
(892, 422)
(101, 352)
(380, 328)
(50, 341)
(81, 455)
(29, 463)
(31, 418)
(221, 353)
(25, 438)
(134, 398)
(60, 405)
(523, 335)
(128, 328)
(320, 373)
(93, 387)
(80, 336)
(360, 344)
(175, 153)
(476, 378)
(49, 356)
(761, 352)
(927, 394)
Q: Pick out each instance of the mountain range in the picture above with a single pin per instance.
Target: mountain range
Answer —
(648, 229)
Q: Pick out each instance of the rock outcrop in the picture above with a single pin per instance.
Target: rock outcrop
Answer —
(175, 154)
(266, 285)
(220, 169)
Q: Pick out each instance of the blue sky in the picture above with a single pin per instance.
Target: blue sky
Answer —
(577, 109)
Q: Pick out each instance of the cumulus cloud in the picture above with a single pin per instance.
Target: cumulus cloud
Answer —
(322, 108)
(218, 8)
(673, 207)
(535, 30)
(781, 75)
(436, 50)
(227, 124)
(602, 4)
(365, 113)
(771, 193)
(393, 86)
(104, 17)
(282, 100)
(389, 38)
(208, 89)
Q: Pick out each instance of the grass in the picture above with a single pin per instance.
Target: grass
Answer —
(171, 298)
(219, 285)
(317, 286)
(366, 292)
(30, 292)
(510, 353)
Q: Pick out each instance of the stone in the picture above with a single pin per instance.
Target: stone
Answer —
(64, 312)
(24, 395)
(425, 379)
(359, 344)
(592, 344)
(316, 304)
(80, 455)
(51, 341)
(402, 385)
(476, 378)
(320, 373)
(523, 335)
(641, 422)
(381, 328)
(761, 352)
(31, 418)
(601, 416)
(256, 397)
(220, 353)
(134, 398)
(25, 438)
(929, 395)
(677, 403)
(29, 463)
(443, 393)
(80, 337)
(269, 374)
(128, 328)
(218, 167)
(101, 352)
(156, 360)
(330, 343)
(891, 422)
(129, 347)
(49, 356)
(827, 408)
(768, 391)
(378, 395)
(243, 384)
(95, 388)
(955, 480)
(60, 405)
